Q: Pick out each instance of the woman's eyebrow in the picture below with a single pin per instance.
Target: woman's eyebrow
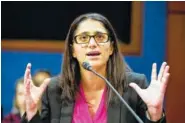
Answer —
(83, 33)
(87, 33)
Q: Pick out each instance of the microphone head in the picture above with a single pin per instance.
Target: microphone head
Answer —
(86, 66)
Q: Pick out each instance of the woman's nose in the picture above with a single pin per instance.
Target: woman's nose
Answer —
(92, 42)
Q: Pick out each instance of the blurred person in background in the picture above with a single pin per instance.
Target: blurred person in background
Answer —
(18, 104)
(40, 75)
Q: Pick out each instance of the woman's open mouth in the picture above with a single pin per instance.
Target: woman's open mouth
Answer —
(93, 53)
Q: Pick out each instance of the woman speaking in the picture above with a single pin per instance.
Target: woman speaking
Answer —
(79, 96)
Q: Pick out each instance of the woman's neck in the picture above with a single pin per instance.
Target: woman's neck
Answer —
(91, 82)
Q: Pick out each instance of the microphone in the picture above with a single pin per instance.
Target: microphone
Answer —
(88, 67)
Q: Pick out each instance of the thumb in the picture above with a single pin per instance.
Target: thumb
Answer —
(136, 88)
(45, 84)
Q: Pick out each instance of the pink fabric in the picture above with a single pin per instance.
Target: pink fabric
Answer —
(81, 113)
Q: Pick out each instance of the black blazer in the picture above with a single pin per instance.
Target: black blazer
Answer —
(53, 111)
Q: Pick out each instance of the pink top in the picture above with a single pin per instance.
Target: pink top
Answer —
(81, 113)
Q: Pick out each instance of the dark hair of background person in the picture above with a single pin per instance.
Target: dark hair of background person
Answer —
(19, 81)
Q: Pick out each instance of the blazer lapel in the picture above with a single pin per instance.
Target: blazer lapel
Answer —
(114, 113)
(67, 113)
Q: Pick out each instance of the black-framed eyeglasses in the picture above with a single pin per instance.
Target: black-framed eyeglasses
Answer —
(98, 37)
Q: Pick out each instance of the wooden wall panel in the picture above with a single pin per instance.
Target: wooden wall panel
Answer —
(175, 99)
(176, 6)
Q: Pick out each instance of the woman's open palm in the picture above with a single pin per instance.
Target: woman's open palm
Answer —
(32, 93)
(153, 96)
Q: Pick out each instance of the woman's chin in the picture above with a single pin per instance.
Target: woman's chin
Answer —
(96, 64)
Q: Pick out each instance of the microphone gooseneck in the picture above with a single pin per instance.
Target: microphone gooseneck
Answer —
(88, 67)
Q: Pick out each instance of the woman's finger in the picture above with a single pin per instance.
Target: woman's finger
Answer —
(29, 76)
(27, 88)
(32, 85)
(166, 70)
(45, 84)
(165, 75)
(136, 88)
(165, 79)
(154, 72)
(163, 66)
(27, 72)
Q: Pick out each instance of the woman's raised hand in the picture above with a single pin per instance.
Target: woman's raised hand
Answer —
(32, 93)
(153, 96)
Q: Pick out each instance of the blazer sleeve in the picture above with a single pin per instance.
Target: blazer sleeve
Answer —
(141, 106)
(44, 117)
